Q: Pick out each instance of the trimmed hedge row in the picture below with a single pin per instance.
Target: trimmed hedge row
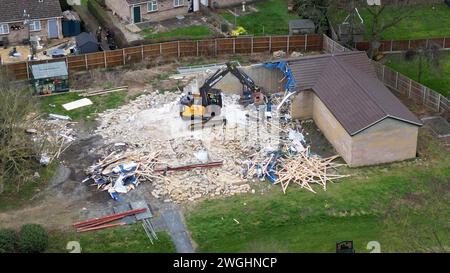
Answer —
(32, 238)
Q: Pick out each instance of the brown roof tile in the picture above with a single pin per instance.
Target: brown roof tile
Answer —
(346, 83)
(12, 10)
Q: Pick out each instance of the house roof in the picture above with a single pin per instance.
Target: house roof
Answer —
(49, 70)
(12, 11)
(84, 38)
(301, 23)
(346, 83)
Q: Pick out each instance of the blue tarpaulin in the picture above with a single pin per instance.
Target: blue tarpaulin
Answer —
(287, 72)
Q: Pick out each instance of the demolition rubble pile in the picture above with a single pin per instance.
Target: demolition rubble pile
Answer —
(52, 137)
(153, 144)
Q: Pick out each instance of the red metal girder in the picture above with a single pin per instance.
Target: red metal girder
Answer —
(112, 216)
(101, 227)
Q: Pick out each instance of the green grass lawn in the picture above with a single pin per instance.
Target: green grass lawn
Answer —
(272, 18)
(192, 32)
(436, 78)
(100, 104)
(11, 198)
(125, 239)
(373, 205)
(423, 22)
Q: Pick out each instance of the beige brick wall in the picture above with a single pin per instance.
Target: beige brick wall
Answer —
(166, 10)
(265, 78)
(332, 129)
(120, 8)
(302, 105)
(16, 37)
(388, 141)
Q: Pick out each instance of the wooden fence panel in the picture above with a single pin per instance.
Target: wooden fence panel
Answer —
(207, 47)
(400, 45)
(243, 45)
(169, 50)
(314, 43)
(279, 43)
(261, 44)
(95, 60)
(133, 55)
(298, 43)
(188, 48)
(225, 46)
(76, 63)
(416, 44)
(152, 51)
(211, 47)
(114, 58)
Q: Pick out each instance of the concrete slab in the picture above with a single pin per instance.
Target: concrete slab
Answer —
(139, 205)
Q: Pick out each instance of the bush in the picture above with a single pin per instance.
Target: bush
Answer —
(33, 238)
(8, 240)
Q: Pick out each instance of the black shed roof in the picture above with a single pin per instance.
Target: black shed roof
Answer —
(85, 38)
(346, 83)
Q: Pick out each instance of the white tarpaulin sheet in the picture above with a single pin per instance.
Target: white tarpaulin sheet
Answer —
(77, 104)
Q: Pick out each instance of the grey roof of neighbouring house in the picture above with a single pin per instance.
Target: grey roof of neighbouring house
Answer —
(12, 11)
(49, 70)
(301, 23)
(347, 84)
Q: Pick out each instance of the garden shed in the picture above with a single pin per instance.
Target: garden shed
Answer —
(86, 43)
(358, 115)
(301, 27)
(47, 78)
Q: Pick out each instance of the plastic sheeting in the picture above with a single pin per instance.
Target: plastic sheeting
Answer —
(287, 72)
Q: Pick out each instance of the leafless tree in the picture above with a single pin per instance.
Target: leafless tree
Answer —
(17, 154)
(379, 22)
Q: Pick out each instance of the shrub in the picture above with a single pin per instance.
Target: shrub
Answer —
(33, 238)
(8, 240)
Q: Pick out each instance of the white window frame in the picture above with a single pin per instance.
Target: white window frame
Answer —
(178, 3)
(33, 24)
(2, 29)
(152, 6)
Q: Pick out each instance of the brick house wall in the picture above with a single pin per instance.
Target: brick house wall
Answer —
(166, 10)
(17, 36)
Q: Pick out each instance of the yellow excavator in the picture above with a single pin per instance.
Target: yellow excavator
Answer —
(208, 103)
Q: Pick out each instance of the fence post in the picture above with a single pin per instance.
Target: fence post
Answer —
(439, 103)
(270, 44)
(28, 70)
(424, 94)
(251, 52)
(197, 48)
(392, 45)
(410, 88)
(160, 49)
(443, 43)
(142, 52)
(382, 75)
(306, 42)
(288, 44)
(123, 55)
(215, 47)
(67, 64)
(85, 61)
(409, 43)
(396, 81)
(234, 46)
(178, 49)
(104, 58)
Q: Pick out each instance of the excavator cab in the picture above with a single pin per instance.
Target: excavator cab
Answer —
(208, 103)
